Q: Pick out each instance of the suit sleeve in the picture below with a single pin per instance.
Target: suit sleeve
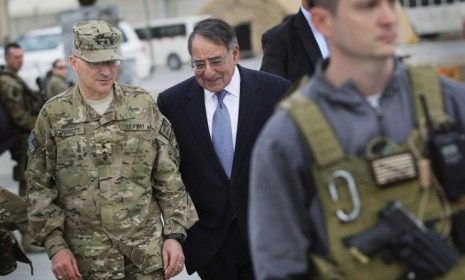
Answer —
(161, 103)
(176, 205)
(278, 201)
(274, 55)
(46, 219)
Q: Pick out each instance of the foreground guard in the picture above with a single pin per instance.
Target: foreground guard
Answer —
(344, 180)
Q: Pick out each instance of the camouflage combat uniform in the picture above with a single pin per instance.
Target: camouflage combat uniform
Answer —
(21, 105)
(12, 217)
(97, 184)
(56, 85)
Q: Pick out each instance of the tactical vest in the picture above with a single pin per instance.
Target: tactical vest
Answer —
(5, 129)
(334, 170)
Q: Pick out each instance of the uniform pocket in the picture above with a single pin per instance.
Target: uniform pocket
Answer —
(139, 153)
(74, 166)
(129, 156)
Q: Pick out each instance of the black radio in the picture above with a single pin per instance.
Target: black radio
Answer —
(446, 145)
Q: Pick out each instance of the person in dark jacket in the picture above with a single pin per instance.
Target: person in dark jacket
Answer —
(292, 48)
(216, 116)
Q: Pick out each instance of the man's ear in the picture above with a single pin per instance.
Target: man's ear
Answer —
(73, 62)
(236, 54)
(322, 20)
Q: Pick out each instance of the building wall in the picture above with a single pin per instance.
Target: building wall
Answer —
(4, 27)
(260, 15)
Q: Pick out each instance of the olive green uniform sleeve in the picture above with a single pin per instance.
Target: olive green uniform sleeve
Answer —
(15, 104)
(13, 213)
(46, 219)
(56, 86)
(178, 210)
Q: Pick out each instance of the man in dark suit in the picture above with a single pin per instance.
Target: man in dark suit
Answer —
(292, 48)
(216, 116)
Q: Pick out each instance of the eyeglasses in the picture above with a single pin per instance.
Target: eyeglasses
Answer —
(98, 65)
(214, 62)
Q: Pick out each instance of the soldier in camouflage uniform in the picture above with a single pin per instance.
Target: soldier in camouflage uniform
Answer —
(21, 105)
(13, 216)
(103, 167)
(57, 82)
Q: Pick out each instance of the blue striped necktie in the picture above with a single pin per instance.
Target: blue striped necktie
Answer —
(222, 134)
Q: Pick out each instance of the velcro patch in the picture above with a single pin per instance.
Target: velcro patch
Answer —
(69, 131)
(32, 143)
(134, 126)
(165, 129)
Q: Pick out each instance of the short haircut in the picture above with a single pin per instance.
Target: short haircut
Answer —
(11, 45)
(216, 31)
(55, 62)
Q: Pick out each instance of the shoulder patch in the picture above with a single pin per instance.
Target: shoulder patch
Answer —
(32, 143)
(165, 129)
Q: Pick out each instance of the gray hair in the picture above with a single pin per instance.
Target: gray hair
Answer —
(216, 31)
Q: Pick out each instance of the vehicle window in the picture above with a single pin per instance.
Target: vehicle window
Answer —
(168, 31)
(124, 39)
(40, 42)
(165, 31)
(142, 33)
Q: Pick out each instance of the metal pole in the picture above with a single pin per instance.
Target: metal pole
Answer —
(148, 32)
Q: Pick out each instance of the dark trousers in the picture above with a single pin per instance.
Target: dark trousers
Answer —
(232, 261)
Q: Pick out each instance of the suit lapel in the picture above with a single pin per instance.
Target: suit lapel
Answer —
(249, 110)
(195, 108)
(309, 42)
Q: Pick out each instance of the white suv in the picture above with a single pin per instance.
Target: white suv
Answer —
(43, 46)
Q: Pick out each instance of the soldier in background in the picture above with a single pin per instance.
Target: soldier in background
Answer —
(13, 216)
(56, 79)
(21, 105)
(103, 166)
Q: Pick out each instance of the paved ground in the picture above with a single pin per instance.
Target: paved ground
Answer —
(158, 82)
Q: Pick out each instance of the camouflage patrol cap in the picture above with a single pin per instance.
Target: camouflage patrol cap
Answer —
(96, 41)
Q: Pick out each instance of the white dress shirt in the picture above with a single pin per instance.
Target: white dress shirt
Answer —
(318, 36)
(231, 101)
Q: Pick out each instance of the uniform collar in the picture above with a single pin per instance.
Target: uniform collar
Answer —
(118, 109)
(348, 93)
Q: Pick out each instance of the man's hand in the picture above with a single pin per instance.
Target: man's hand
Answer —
(64, 265)
(173, 258)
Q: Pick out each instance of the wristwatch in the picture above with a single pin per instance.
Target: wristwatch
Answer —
(176, 236)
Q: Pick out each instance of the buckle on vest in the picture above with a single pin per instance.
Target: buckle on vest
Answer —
(342, 214)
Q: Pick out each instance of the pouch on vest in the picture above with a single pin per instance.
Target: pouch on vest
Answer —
(5, 130)
(445, 138)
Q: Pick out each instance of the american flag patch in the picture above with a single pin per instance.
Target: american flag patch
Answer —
(32, 143)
